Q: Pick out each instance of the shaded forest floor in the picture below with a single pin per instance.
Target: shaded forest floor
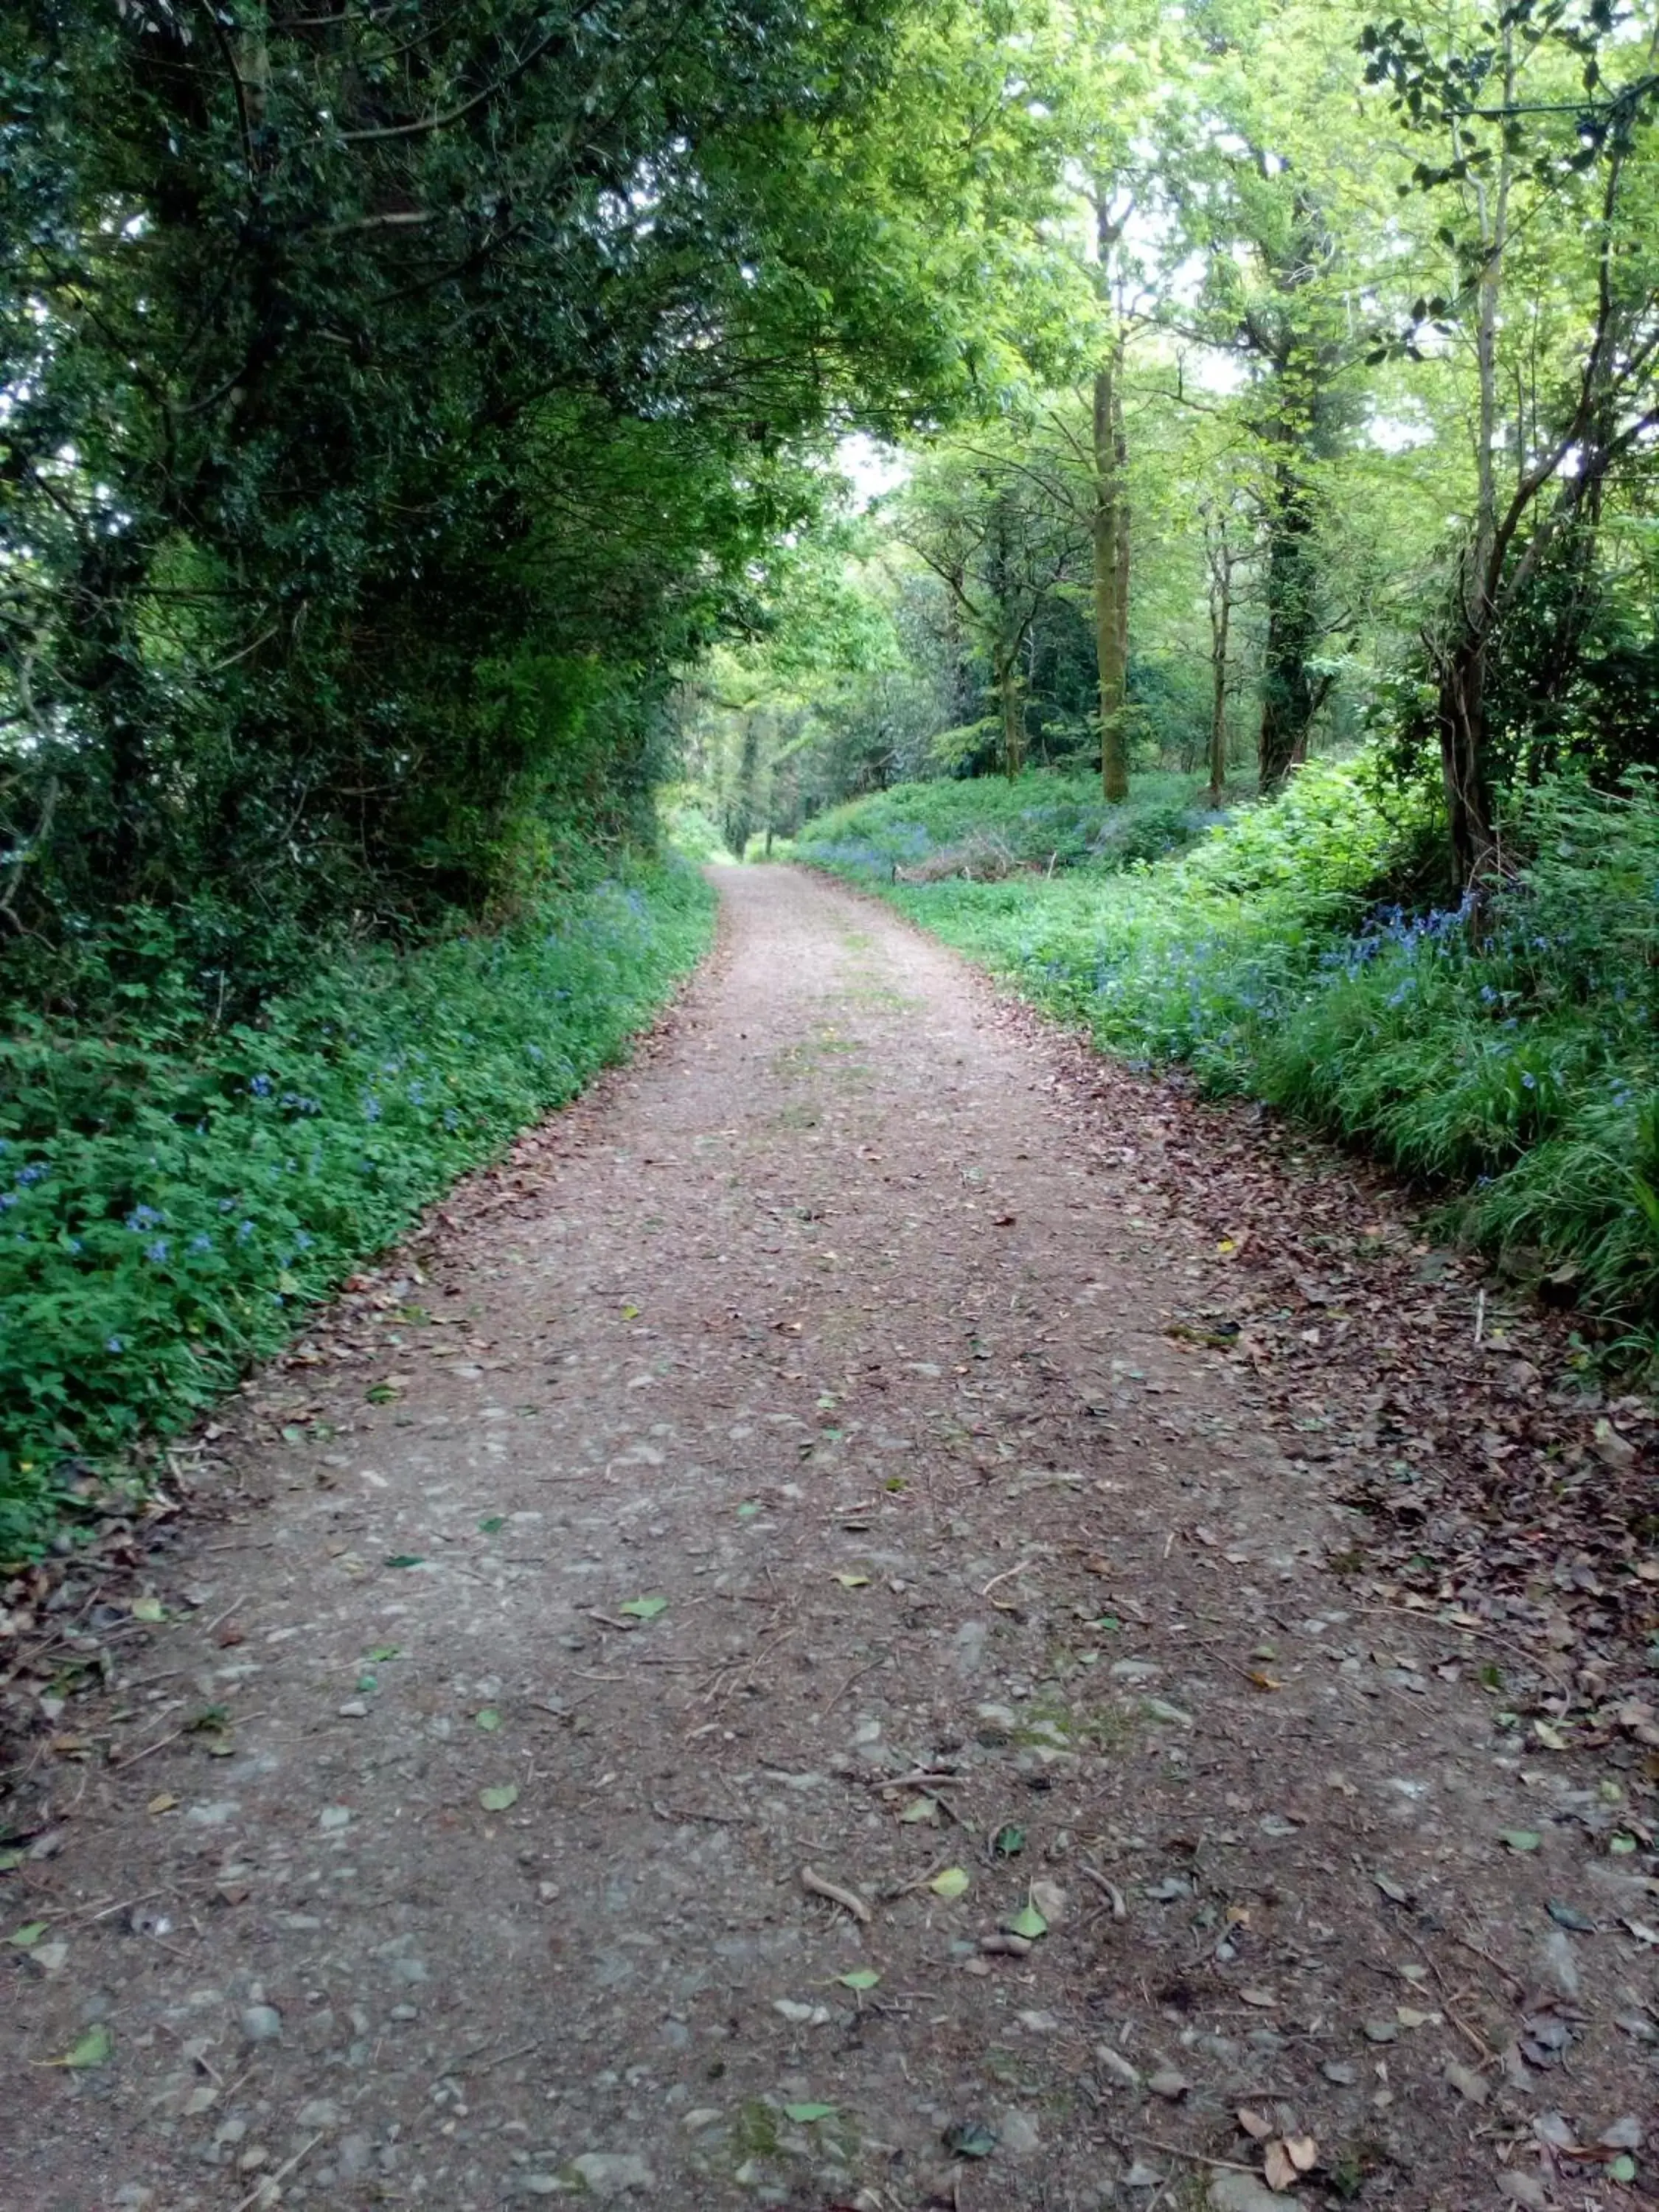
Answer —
(888, 1614)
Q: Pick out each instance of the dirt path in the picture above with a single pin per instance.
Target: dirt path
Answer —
(435, 1876)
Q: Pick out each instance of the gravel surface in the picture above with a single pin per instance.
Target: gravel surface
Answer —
(750, 1667)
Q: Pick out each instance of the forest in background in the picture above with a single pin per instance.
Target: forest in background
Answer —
(425, 434)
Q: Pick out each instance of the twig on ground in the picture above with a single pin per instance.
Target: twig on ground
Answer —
(268, 2182)
(119, 1766)
(848, 1899)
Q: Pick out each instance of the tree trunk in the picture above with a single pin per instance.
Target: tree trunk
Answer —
(1460, 712)
(1111, 578)
(1290, 698)
(1013, 718)
(1221, 616)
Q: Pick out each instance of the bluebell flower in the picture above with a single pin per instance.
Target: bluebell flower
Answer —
(201, 1242)
(370, 1110)
(34, 1172)
(142, 1217)
(113, 1343)
(243, 1230)
(157, 1251)
(302, 1243)
(261, 1086)
(8, 1198)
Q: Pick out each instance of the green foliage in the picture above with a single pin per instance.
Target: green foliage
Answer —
(1512, 1064)
(1040, 820)
(393, 406)
(172, 1200)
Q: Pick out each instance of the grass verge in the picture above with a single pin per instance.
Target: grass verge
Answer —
(1511, 1063)
(171, 1204)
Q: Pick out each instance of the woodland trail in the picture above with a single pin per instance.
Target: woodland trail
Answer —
(444, 1867)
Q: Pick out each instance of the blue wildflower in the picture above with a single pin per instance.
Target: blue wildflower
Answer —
(262, 1086)
(113, 1343)
(157, 1251)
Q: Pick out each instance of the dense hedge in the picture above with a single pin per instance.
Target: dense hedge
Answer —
(171, 1199)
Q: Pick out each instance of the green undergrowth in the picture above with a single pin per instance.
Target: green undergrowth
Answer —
(1039, 822)
(172, 1199)
(1510, 1062)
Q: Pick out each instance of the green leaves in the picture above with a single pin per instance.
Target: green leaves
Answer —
(500, 1799)
(643, 1608)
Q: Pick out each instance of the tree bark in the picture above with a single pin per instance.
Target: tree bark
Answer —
(1290, 696)
(1111, 577)
(1013, 717)
(1221, 617)
(1461, 713)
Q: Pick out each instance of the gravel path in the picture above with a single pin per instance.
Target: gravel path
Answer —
(783, 1465)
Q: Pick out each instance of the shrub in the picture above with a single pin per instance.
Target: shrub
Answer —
(1043, 821)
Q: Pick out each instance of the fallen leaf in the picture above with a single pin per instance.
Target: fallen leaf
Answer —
(1568, 1916)
(405, 1559)
(95, 2048)
(1008, 1842)
(1519, 1839)
(498, 1800)
(1469, 2085)
(1279, 2168)
(861, 1978)
(644, 1608)
(852, 1582)
(1253, 2124)
(1027, 1922)
(162, 1801)
(488, 1719)
(1551, 1738)
(1396, 1891)
(920, 1809)
(1303, 2153)
(148, 1608)
(952, 1881)
(30, 1933)
(491, 1523)
(970, 2139)
(805, 2115)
